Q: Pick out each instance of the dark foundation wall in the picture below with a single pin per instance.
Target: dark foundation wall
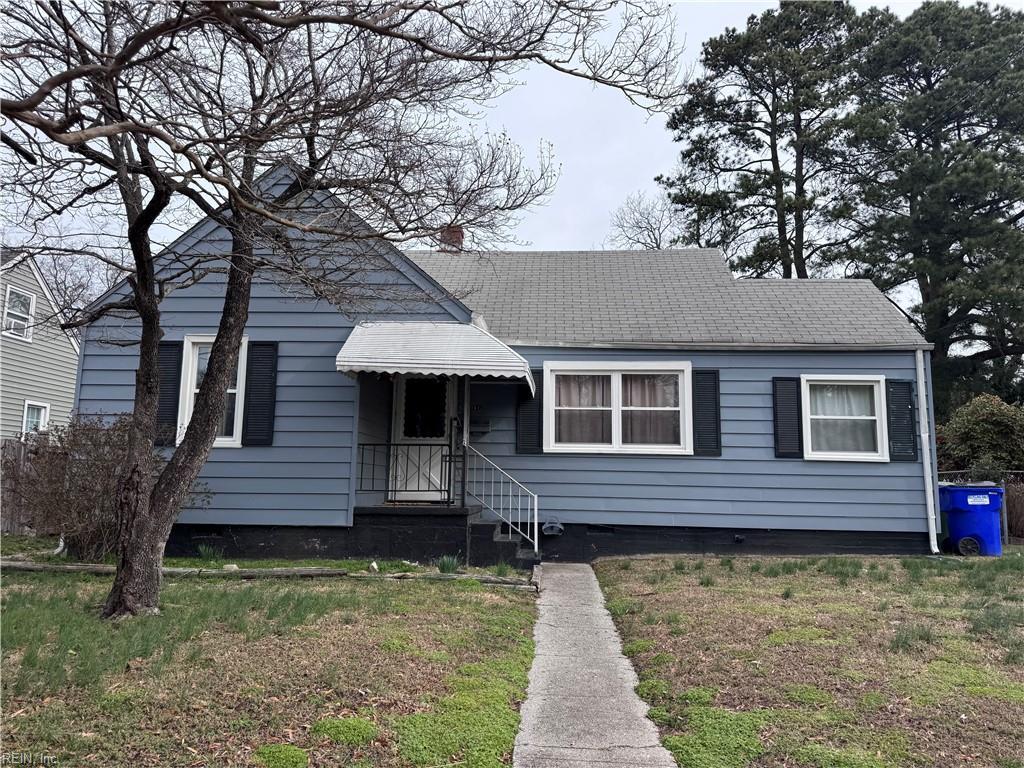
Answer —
(402, 534)
(583, 543)
(410, 534)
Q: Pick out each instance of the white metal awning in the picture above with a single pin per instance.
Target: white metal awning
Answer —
(432, 349)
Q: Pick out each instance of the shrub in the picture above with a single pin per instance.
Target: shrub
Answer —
(448, 564)
(984, 437)
(68, 483)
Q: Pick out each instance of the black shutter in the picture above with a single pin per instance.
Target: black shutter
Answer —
(530, 417)
(901, 416)
(707, 421)
(789, 442)
(260, 393)
(169, 364)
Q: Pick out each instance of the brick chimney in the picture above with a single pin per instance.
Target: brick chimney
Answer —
(450, 238)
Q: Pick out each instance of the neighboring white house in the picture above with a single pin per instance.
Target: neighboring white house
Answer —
(38, 360)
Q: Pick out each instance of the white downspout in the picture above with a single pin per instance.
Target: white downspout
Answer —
(926, 453)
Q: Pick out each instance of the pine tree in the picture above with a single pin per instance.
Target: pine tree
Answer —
(934, 193)
(756, 166)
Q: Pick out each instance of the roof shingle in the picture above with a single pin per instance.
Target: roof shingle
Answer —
(662, 298)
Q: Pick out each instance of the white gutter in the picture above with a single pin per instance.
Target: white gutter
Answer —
(926, 453)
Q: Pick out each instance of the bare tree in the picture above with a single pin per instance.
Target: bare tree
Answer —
(133, 112)
(645, 223)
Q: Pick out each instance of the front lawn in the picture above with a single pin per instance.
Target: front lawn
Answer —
(838, 662)
(276, 673)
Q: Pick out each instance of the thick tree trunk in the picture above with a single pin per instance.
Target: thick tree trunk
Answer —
(149, 509)
(137, 581)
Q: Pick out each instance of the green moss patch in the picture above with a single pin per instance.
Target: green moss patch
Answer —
(718, 738)
(828, 757)
(477, 722)
(353, 731)
(636, 647)
(281, 756)
(801, 693)
(944, 676)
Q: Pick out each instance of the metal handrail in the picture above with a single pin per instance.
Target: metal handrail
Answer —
(513, 503)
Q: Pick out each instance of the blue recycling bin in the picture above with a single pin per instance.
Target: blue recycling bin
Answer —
(973, 518)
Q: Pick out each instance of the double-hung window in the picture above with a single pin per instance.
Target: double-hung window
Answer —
(36, 416)
(193, 371)
(599, 407)
(844, 418)
(19, 308)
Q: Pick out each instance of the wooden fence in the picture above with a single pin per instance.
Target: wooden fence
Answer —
(14, 461)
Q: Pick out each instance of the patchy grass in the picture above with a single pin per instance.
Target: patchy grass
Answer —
(354, 731)
(270, 673)
(834, 662)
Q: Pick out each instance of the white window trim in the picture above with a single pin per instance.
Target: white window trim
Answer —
(24, 415)
(186, 397)
(881, 418)
(615, 369)
(31, 313)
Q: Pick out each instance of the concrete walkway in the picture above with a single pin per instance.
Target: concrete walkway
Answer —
(580, 708)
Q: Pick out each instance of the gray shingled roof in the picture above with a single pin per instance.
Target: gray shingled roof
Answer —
(653, 298)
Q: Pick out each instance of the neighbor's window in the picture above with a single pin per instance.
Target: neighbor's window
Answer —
(609, 407)
(19, 307)
(36, 417)
(844, 418)
(197, 358)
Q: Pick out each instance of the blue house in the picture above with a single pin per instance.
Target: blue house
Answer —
(566, 404)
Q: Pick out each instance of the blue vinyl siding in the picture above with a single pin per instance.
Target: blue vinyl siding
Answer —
(305, 477)
(747, 487)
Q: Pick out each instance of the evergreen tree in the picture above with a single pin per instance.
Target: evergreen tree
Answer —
(934, 195)
(756, 167)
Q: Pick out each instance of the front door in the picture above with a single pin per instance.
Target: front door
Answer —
(421, 451)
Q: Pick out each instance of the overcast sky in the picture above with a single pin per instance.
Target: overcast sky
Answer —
(606, 147)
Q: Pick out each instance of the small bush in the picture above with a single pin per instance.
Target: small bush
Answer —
(625, 565)
(620, 607)
(707, 581)
(448, 564)
(281, 756)
(982, 437)
(68, 483)
(787, 593)
(502, 570)
(679, 566)
(353, 731)
(210, 553)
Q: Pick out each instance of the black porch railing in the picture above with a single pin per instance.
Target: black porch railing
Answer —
(408, 471)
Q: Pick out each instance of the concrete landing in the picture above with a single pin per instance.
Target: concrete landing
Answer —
(580, 707)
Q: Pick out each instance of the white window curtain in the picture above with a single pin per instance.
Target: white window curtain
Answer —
(650, 409)
(843, 418)
(583, 409)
